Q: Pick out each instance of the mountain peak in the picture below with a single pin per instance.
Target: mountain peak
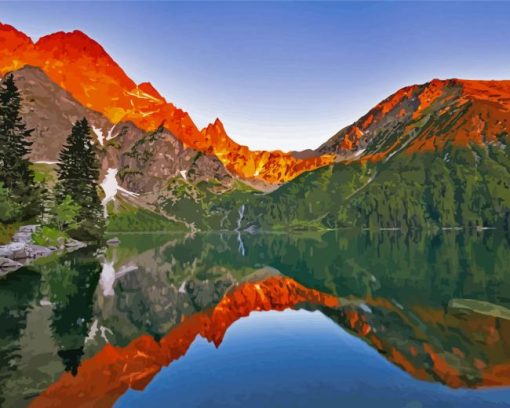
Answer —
(456, 110)
(8, 32)
(149, 89)
(71, 45)
(13, 46)
(218, 124)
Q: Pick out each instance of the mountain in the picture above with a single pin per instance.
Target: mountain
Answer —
(427, 118)
(435, 155)
(82, 67)
(51, 112)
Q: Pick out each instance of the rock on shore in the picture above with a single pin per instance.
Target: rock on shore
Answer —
(21, 250)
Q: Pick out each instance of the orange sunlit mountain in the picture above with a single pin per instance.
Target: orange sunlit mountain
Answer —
(83, 68)
(423, 118)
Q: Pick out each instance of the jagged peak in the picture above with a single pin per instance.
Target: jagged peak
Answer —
(149, 89)
(7, 28)
(74, 42)
(12, 38)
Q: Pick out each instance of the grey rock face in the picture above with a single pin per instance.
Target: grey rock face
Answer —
(14, 250)
(36, 251)
(51, 111)
(113, 241)
(74, 244)
(146, 161)
(23, 237)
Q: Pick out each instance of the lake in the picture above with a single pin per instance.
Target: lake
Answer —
(344, 318)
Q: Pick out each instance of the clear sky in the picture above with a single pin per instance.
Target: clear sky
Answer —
(284, 75)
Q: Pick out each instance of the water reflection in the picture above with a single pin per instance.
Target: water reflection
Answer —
(436, 307)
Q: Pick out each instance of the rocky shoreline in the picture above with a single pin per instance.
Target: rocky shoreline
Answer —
(21, 250)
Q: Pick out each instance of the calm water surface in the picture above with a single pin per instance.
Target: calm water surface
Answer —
(268, 320)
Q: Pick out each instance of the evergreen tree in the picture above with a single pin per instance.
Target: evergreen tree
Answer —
(78, 174)
(15, 171)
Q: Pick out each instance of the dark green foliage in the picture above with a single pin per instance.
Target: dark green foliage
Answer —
(77, 178)
(453, 187)
(10, 210)
(15, 172)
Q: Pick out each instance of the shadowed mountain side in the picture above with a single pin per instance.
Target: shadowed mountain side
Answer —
(144, 161)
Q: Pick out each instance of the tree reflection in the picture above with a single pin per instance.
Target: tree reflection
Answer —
(71, 287)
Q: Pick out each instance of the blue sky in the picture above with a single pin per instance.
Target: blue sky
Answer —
(284, 75)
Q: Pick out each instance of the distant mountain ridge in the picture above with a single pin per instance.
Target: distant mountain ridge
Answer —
(453, 111)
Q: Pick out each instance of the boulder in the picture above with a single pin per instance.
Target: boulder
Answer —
(28, 228)
(23, 237)
(113, 241)
(36, 251)
(74, 244)
(5, 251)
(8, 265)
(14, 250)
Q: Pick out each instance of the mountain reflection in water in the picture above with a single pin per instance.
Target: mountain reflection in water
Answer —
(431, 314)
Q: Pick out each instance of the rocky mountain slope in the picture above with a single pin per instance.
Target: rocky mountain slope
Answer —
(143, 160)
(427, 118)
(82, 67)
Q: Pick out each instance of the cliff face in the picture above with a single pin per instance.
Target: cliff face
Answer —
(145, 160)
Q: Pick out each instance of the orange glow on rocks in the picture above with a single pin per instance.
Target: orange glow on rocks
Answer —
(83, 68)
(423, 118)
(102, 379)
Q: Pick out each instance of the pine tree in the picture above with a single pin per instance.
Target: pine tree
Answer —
(15, 171)
(78, 174)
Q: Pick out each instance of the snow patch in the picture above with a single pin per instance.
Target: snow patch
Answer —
(183, 174)
(182, 288)
(109, 136)
(111, 187)
(92, 332)
(365, 308)
(109, 276)
(46, 162)
(138, 93)
(94, 329)
(99, 134)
